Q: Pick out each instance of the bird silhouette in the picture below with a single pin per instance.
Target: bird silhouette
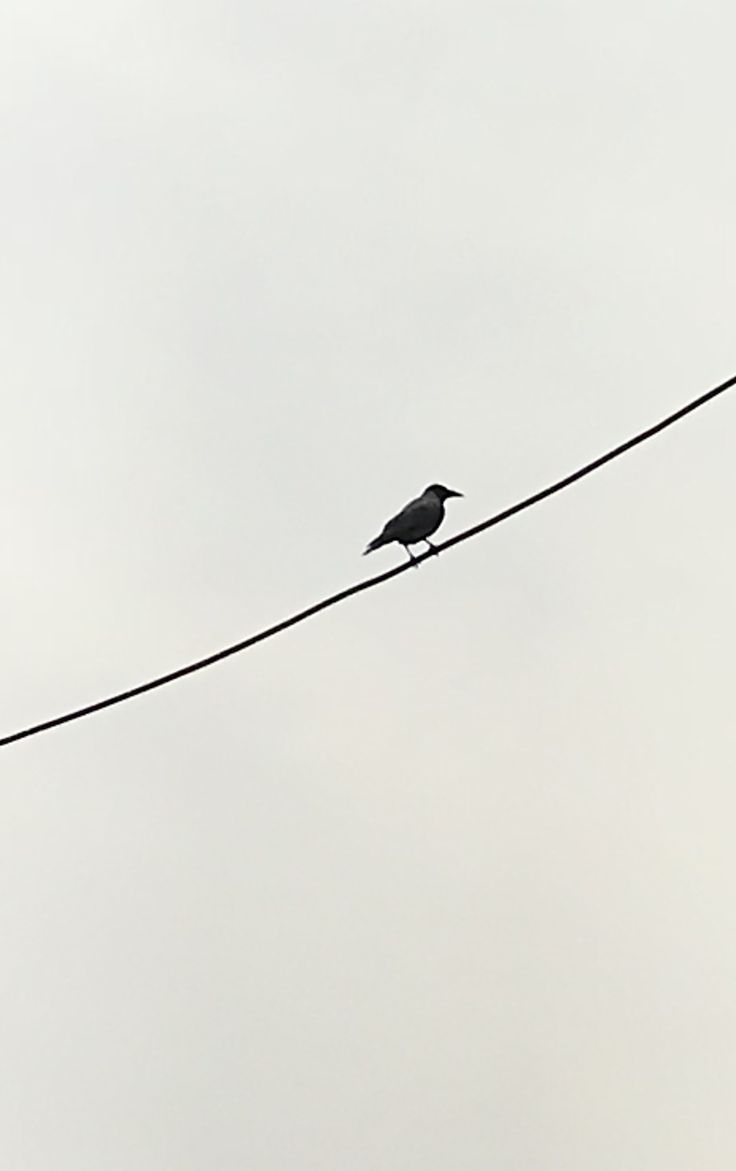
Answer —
(416, 521)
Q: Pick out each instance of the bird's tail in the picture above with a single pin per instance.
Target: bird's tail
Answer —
(376, 543)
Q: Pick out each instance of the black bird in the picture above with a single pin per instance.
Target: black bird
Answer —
(416, 522)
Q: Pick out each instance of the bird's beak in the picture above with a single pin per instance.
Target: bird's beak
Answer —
(451, 492)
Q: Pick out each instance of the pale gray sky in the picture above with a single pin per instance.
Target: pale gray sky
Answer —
(444, 878)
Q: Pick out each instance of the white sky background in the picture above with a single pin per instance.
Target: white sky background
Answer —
(445, 877)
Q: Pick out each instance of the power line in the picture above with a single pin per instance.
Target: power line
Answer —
(369, 583)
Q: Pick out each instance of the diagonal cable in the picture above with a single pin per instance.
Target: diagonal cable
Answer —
(302, 615)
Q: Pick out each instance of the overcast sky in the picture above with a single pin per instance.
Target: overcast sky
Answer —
(444, 878)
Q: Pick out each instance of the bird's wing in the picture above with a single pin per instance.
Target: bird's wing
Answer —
(417, 519)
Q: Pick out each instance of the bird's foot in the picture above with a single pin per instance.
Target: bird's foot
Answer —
(432, 548)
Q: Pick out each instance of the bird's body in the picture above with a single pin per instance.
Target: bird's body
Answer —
(416, 521)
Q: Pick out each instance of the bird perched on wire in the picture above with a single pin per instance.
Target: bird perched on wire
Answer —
(416, 521)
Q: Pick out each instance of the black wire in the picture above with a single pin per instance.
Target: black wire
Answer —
(302, 615)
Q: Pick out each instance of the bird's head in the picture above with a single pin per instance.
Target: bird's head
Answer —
(441, 492)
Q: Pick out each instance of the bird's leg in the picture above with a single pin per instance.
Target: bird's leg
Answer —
(411, 557)
(432, 548)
